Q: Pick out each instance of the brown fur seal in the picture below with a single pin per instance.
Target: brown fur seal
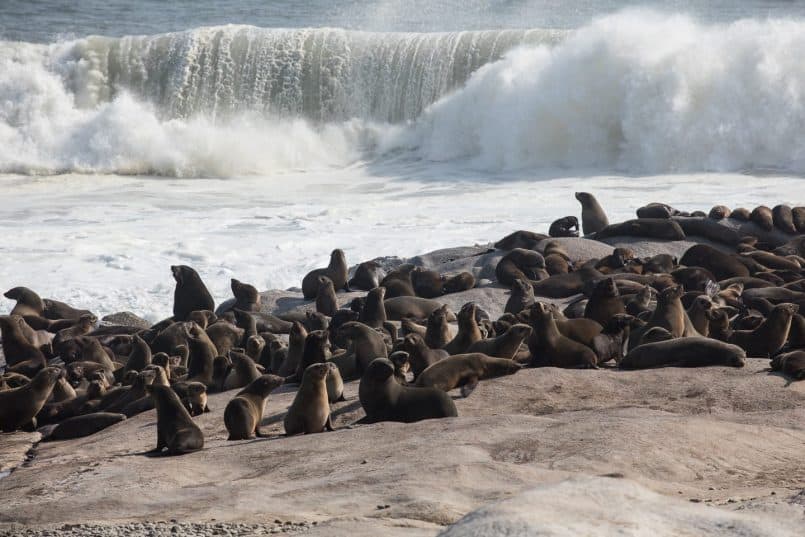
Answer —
(698, 314)
(798, 217)
(336, 271)
(520, 239)
(368, 275)
(783, 218)
(609, 344)
(465, 371)
(28, 302)
(140, 356)
(315, 351)
(669, 315)
(19, 406)
(243, 371)
(566, 285)
(505, 345)
(719, 212)
(244, 412)
(468, 330)
(567, 226)
(741, 214)
(373, 312)
(175, 428)
(548, 347)
(384, 399)
(296, 347)
(520, 264)
(522, 297)
(791, 364)
(420, 356)
(427, 283)
(247, 298)
(326, 302)
(310, 410)
(653, 228)
(463, 281)
(401, 366)
(762, 216)
(193, 396)
(593, 217)
(656, 210)
(86, 425)
(225, 336)
(770, 336)
(686, 352)
(16, 347)
(202, 356)
(412, 307)
(398, 281)
(604, 303)
(722, 265)
(366, 344)
(709, 229)
(437, 332)
(56, 310)
(771, 261)
(190, 294)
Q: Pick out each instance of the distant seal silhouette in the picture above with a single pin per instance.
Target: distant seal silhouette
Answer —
(520, 239)
(741, 214)
(465, 371)
(798, 217)
(368, 275)
(719, 212)
(244, 412)
(520, 264)
(19, 406)
(384, 399)
(653, 228)
(310, 410)
(28, 302)
(175, 428)
(567, 226)
(762, 216)
(783, 218)
(247, 298)
(190, 294)
(685, 352)
(593, 217)
(337, 272)
(791, 364)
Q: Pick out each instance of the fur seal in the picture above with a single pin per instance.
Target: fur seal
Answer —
(337, 272)
(384, 399)
(522, 297)
(140, 356)
(669, 315)
(244, 412)
(798, 217)
(653, 228)
(567, 226)
(437, 332)
(791, 364)
(86, 425)
(420, 356)
(548, 347)
(768, 338)
(368, 275)
(505, 345)
(609, 344)
(247, 298)
(366, 344)
(604, 303)
(685, 352)
(468, 330)
(566, 285)
(310, 410)
(225, 336)
(412, 307)
(202, 356)
(401, 366)
(762, 216)
(520, 239)
(56, 310)
(16, 347)
(722, 265)
(709, 229)
(296, 347)
(593, 217)
(193, 396)
(190, 294)
(243, 371)
(741, 214)
(326, 302)
(427, 283)
(175, 428)
(783, 217)
(465, 371)
(463, 281)
(19, 406)
(697, 313)
(398, 282)
(28, 302)
(719, 212)
(520, 264)
(656, 210)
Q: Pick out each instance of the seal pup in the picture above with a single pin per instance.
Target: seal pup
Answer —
(337, 271)
(768, 338)
(610, 343)
(310, 410)
(437, 331)
(520, 264)
(522, 297)
(567, 226)
(468, 330)
(463, 281)
(401, 366)
(669, 315)
(366, 344)
(398, 281)
(385, 399)
(420, 355)
(465, 371)
(244, 412)
(190, 294)
(548, 347)
(790, 363)
(243, 370)
(604, 303)
(505, 345)
(296, 347)
(140, 356)
(16, 347)
(593, 217)
(19, 406)
(175, 428)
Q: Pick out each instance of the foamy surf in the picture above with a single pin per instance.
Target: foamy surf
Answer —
(636, 93)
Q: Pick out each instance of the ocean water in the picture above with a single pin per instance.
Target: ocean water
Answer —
(248, 139)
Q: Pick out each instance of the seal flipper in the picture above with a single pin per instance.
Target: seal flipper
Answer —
(469, 387)
(328, 425)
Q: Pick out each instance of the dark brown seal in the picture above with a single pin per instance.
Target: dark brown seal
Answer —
(326, 302)
(567, 226)
(791, 364)
(19, 406)
(190, 294)
(244, 412)
(520, 264)
(593, 217)
(465, 371)
(684, 352)
(310, 410)
(763, 217)
(368, 275)
(605, 302)
(468, 330)
(505, 345)
(548, 347)
(783, 217)
(175, 428)
(337, 271)
(768, 338)
(420, 356)
(28, 302)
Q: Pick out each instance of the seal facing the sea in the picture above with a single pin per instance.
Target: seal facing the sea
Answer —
(593, 217)
(191, 294)
(336, 271)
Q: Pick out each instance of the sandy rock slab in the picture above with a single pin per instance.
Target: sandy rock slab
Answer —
(729, 438)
